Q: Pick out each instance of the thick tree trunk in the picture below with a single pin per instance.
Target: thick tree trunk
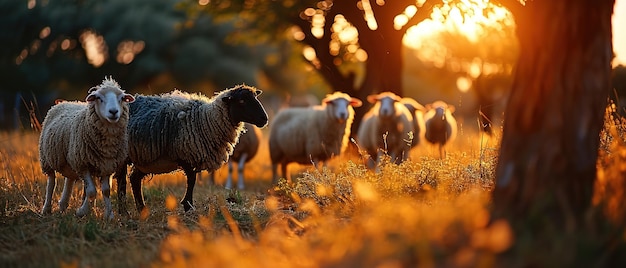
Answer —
(547, 161)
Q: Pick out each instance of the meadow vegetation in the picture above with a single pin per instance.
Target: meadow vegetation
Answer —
(425, 212)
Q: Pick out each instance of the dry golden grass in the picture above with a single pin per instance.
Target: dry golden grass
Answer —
(426, 212)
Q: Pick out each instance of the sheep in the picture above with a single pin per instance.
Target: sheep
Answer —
(440, 125)
(85, 140)
(312, 134)
(192, 132)
(244, 151)
(417, 111)
(386, 126)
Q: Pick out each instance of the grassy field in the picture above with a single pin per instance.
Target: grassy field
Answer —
(426, 212)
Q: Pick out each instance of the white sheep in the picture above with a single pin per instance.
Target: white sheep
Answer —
(244, 151)
(312, 134)
(417, 111)
(185, 131)
(441, 127)
(386, 128)
(82, 140)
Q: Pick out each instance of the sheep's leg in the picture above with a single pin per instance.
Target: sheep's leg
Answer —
(229, 177)
(120, 177)
(191, 182)
(242, 163)
(67, 193)
(90, 191)
(47, 205)
(135, 183)
(284, 170)
(441, 152)
(105, 187)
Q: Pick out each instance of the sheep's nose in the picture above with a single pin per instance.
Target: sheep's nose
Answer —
(113, 111)
(342, 115)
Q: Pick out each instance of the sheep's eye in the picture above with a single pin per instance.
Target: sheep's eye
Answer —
(242, 101)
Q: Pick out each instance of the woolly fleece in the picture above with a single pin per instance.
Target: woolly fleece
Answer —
(75, 140)
(397, 127)
(301, 134)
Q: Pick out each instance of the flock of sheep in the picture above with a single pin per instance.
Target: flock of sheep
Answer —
(113, 130)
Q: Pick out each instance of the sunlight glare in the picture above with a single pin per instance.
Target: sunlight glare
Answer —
(126, 51)
(619, 32)
(410, 10)
(95, 48)
(475, 20)
(369, 15)
(309, 53)
(45, 32)
(463, 84)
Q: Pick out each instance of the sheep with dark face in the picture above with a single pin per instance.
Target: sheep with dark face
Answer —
(82, 140)
(186, 131)
(386, 127)
(440, 125)
(244, 151)
(312, 134)
(417, 111)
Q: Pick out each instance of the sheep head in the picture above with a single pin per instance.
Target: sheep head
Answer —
(108, 99)
(244, 106)
(441, 109)
(339, 105)
(386, 102)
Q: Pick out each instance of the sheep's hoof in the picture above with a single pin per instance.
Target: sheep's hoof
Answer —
(81, 212)
(47, 209)
(63, 206)
(187, 205)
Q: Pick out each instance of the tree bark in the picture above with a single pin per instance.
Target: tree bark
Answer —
(547, 160)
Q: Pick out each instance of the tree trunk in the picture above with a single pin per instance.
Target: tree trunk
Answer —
(547, 161)
(384, 49)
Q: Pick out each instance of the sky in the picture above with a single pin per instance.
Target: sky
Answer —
(619, 32)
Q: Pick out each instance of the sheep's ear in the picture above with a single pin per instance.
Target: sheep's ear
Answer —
(420, 107)
(92, 97)
(128, 98)
(372, 98)
(258, 92)
(451, 108)
(354, 102)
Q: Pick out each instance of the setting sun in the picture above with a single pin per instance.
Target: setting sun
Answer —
(472, 19)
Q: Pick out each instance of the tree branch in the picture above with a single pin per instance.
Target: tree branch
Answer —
(514, 6)
(422, 13)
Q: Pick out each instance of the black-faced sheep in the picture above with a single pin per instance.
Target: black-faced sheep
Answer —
(417, 111)
(82, 140)
(386, 127)
(312, 134)
(440, 125)
(244, 151)
(185, 131)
